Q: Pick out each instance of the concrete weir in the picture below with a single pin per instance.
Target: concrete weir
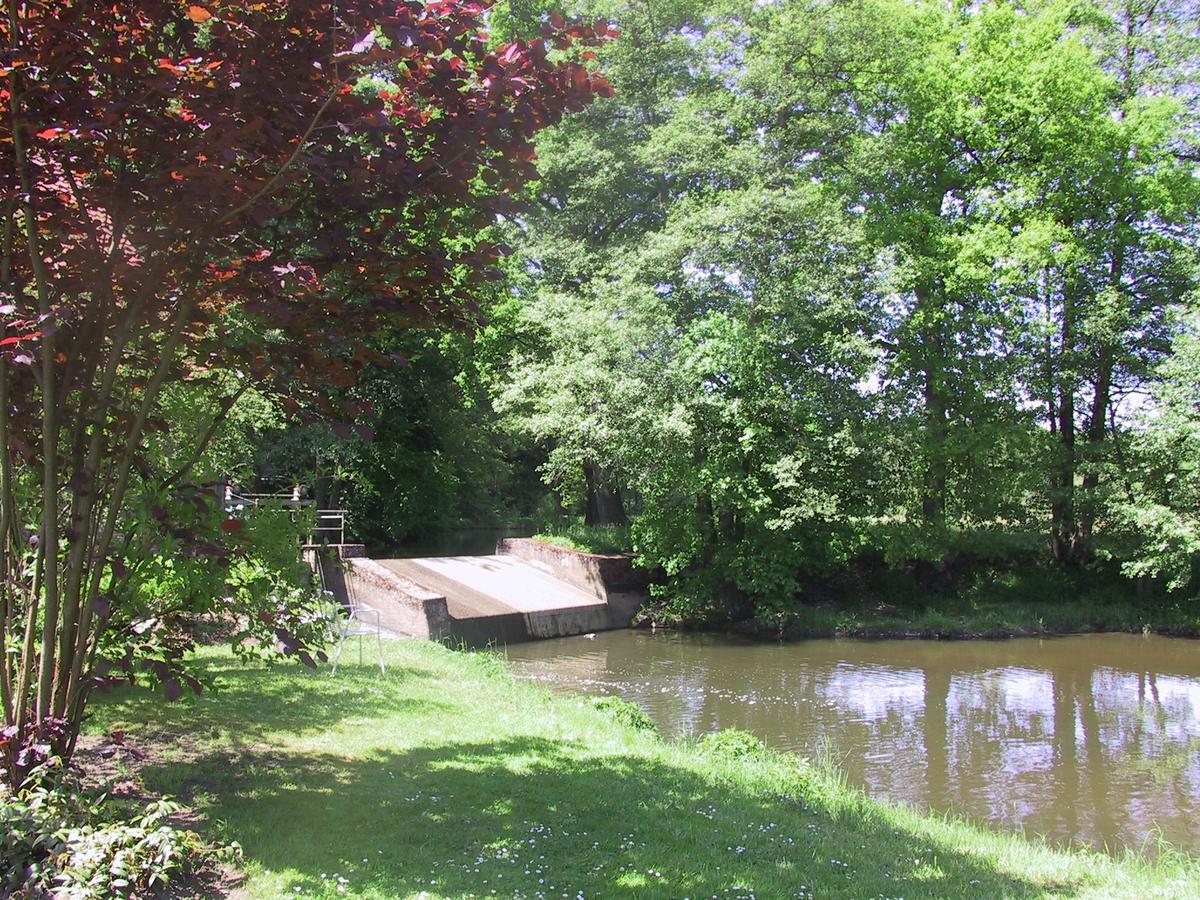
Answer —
(525, 591)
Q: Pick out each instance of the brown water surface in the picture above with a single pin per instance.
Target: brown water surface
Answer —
(1088, 738)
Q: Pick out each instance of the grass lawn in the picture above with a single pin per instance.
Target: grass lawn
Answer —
(445, 778)
(589, 538)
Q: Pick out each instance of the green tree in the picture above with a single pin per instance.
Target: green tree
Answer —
(1107, 245)
(1161, 471)
(825, 279)
(691, 315)
(602, 189)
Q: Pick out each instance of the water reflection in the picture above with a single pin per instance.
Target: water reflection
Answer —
(1093, 738)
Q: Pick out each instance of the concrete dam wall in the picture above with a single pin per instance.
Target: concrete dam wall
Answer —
(527, 590)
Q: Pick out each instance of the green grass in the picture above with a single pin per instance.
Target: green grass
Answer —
(445, 778)
(589, 538)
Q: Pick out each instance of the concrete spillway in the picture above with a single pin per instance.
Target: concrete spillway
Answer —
(478, 586)
(527, 590)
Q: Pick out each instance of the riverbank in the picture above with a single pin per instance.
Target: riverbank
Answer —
(952, 620)
(986, 586)
(447, 778)
(973, 599)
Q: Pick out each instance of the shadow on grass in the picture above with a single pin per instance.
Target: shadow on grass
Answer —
(250, 702)
(535, 817)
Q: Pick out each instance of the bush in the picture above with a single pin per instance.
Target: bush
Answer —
(57, 840)
(624, 711)
(732, 743)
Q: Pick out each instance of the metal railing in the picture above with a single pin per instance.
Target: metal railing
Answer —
(329, 525)
(285, 498)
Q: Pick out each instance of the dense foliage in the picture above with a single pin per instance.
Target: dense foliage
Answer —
(826, 284)
(58, 840)
(196, 202)
(436, 457)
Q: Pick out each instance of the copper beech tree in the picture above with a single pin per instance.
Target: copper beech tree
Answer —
(221, 195)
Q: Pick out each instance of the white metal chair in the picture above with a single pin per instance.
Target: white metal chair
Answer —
(360, 621)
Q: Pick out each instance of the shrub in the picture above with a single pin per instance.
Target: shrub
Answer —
(624, 711)
(732, 743)
(56, 839)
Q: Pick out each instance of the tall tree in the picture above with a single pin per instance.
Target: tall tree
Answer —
(1111, 210)
(1029, 202)
(223, 195)
(603, 187)
(691, 312)
(1160, 470)
(829, 278)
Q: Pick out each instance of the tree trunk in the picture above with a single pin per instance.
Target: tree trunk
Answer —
(933, 493)
(735, 602)
(1062, 506)
(1096, 433)
(604, 503)
(933, 487)
(1062, 488)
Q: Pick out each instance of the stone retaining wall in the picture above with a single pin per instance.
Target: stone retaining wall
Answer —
(404, 607)
(607, 577)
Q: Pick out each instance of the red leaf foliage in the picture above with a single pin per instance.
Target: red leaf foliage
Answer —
(218, 186)
(227, 194)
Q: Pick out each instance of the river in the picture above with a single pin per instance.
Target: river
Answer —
(1091, 739)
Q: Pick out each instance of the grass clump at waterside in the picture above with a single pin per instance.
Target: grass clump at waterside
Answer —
(445, 778)
(589, 538)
